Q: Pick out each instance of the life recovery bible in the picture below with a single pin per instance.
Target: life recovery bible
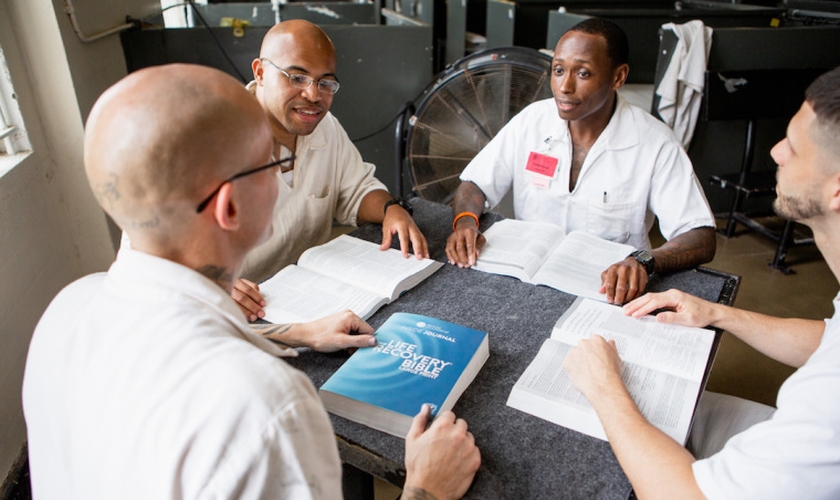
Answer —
(417, 359)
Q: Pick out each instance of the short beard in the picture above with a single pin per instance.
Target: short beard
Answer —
(796, 209)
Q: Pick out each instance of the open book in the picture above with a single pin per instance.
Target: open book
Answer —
(539, 253)
(417, 360)
(344, 273)
(661, 365)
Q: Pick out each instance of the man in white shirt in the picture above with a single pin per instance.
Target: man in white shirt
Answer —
(295, 81)
(147, 381)
(588, 160)
(743, 449)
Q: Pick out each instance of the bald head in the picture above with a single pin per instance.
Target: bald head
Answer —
(158, 140)
(284, 36)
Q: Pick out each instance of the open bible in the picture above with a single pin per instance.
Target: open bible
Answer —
(344, 273)
(662, 366)
(539, 253)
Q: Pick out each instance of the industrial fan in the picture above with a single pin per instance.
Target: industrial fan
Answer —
(465, 107)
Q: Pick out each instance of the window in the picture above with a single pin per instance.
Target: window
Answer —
(13, 139)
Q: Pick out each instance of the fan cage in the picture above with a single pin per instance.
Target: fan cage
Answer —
(464, 108)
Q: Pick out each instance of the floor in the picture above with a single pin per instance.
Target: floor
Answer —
(738, 370)
(807, 293)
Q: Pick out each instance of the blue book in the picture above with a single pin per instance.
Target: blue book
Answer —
(417, 360)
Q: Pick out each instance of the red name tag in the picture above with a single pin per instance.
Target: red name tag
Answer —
(541, 164)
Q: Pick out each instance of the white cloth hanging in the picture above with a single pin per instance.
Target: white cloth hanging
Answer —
(681, 89)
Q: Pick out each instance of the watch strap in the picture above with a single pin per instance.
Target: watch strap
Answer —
(401, 202)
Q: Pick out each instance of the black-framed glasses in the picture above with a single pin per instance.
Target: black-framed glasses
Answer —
(206, 201)
(300, 81)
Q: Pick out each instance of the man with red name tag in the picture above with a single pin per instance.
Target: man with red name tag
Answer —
(589, 160)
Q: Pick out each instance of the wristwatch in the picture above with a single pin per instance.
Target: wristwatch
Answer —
(401, 202)
(644, 258)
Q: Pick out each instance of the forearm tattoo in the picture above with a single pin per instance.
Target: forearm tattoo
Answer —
(416, 494)
(468, 198)
(690, 249)
(272, 329)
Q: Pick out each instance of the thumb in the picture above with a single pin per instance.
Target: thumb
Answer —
(421, 420)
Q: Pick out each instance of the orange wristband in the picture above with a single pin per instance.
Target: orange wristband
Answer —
(464, 214)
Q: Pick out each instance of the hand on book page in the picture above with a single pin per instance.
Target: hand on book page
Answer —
(623, 281)
(595, 368)
(249, 299)
(676, 307)
(441, 460)
(398, 222)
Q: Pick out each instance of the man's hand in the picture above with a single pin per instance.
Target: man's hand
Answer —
(464, 245)
(594, 366)
(440, 461)
(398, 221)
(338, 331)
(248, 297)
(683, 309)
(624, 281)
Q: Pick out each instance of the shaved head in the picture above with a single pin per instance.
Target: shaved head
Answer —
(283, 36)
(160, 139)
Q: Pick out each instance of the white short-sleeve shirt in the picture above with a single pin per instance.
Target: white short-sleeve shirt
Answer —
(796, 453)
(635, 170)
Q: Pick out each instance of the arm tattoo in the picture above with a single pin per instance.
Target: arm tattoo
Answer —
(416, 494)
(468, 198)
(272, 329)
(687, 250)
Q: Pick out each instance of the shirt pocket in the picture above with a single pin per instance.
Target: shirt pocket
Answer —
(610, 221)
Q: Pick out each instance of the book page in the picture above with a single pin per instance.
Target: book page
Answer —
(297, 295)
(545, 390)
(576, 265)
(674, 349)
(517, 248)
(362, 263)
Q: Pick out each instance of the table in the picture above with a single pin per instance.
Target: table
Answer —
(522, 455)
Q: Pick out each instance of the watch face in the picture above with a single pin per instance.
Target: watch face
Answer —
(644, 258)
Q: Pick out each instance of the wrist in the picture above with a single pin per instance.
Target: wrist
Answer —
(461, 217)
(411, 492)
(397, 201)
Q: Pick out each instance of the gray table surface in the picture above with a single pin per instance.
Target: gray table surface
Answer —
(522, 455)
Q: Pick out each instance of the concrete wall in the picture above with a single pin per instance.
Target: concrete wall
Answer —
(51, 229)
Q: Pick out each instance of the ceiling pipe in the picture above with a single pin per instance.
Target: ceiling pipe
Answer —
(71, 11)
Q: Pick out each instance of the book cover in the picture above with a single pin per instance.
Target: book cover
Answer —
(417, 359)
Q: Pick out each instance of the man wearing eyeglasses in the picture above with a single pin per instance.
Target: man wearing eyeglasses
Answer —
(146, 381)
(295, 82)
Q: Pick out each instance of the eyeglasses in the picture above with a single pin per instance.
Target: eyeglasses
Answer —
(300, 81)
(203, 204)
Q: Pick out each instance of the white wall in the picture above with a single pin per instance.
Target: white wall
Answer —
(51, 229)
